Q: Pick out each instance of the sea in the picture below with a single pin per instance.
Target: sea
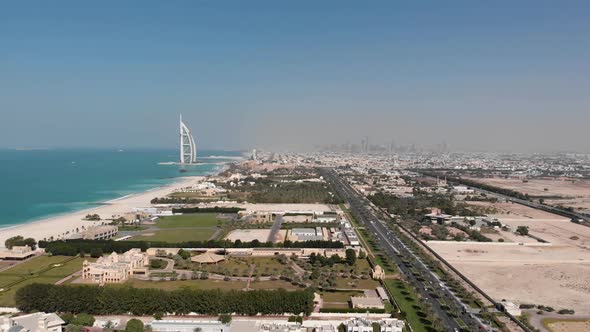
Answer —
(36, 184)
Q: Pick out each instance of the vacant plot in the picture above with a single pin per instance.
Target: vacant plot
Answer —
(249, 235)
(188, 221)
(518, 272)
(178, 235)
(566, 325)
(542, 187)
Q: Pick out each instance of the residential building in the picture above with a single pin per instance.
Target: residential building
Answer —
(365, 325)
(378, 273)
(116, 268)
(511, 308)
(104, 232)
(382, 293)
(17, 253)
(307, 234)
(169, 325)
(37, 322)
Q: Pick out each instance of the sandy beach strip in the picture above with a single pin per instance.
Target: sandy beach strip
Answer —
(58, 225)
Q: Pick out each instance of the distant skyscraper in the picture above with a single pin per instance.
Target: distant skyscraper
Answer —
(188, 148)
(392, 147)
(365, 145)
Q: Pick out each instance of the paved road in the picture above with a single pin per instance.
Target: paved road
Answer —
(274, 231)
(409, 264)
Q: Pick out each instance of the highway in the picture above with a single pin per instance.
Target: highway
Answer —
(409, 264)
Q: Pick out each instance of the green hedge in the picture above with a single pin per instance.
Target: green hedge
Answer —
(149, 301)
(75, 247)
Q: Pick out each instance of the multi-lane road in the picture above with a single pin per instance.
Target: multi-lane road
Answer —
(408, 263)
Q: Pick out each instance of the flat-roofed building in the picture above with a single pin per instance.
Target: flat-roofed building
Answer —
(185, 325)
(37, 322)
(363, 302)
(382, 293)
(17, 253)
(104, 232)
(307, 234)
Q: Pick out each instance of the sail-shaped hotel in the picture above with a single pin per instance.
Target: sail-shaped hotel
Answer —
(188, 148)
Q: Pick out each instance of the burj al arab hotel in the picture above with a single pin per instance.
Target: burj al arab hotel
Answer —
(188, 148)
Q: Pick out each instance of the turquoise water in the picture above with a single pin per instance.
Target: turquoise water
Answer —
(40, 183)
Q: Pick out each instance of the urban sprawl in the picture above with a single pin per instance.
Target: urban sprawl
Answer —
(341, 240)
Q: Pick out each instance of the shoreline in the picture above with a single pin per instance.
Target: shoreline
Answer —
(57, 225)
(94, 205)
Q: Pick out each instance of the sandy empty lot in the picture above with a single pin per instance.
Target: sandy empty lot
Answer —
(536, 187)
(557, 274)
(247, 235)
(577, 191)
(513, 210)
(572, 326)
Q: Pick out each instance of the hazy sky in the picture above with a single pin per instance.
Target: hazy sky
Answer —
(482, 75)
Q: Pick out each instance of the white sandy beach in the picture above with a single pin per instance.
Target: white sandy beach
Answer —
(58, 225)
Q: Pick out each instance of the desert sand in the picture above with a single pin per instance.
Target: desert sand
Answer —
(536, 187)
(571, 326)
(57, 226)
(523, 270)
(248, 235)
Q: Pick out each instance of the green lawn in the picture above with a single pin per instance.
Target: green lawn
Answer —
(356, 283)
(178, 235)
(65, 269)
(34, 265)
(339, 296)
(406, 299)
(7, 280)
(42, 269)
(188, 221)
(7, 297)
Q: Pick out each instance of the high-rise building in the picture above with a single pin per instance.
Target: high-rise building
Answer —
(188, 147)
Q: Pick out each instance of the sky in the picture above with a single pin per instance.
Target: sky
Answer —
(288, 75)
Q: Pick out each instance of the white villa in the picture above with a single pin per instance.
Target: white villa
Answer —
(37, 322)
(116, 268)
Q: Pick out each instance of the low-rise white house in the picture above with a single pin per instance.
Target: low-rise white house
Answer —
(17, 253)
(37, 322)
